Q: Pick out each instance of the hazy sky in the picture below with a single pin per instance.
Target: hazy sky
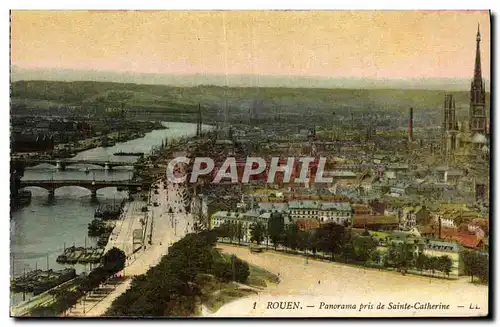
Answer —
(371, 44)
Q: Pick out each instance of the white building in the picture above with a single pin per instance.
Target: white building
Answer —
(246, 219)
(409, 217)
(322, 210)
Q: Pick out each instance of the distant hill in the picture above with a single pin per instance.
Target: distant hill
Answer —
(164, 99)
(18, 74)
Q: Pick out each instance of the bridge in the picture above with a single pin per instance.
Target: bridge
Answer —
(91, 185)
(62, 163)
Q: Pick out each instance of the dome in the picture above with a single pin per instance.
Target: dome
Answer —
(485, 149)
(479, 139)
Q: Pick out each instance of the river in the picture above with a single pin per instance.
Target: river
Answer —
(39, 232)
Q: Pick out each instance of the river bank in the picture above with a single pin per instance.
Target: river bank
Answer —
(39, 231)
(162, 229)
(67, 150)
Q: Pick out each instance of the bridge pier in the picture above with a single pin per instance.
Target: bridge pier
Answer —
(60, 165)
(91, 185)
(52, 194)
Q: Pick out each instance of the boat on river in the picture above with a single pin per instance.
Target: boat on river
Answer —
(39, 281)
(62, 258)
(73, 257)
(96, 256)
(132, 154)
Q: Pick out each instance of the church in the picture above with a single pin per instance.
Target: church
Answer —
(468, 141)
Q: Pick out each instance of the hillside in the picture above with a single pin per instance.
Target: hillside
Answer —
(171, 99)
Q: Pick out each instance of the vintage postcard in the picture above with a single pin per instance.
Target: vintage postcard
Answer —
(250, 163)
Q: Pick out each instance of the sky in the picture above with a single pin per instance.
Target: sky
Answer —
(339, 44)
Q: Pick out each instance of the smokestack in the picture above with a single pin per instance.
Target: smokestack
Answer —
(410, 127)
(440, 224)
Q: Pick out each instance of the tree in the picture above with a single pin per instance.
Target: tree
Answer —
(242, 270)
(433, 264)
(445, 264)
(224, 230)
(471, 264)
(222, 270)
(405, 255)
(400, 256)
(391, 258)
(114, 260)
(238, 231)
(421, 262)
(275, 228)
(376, 256)
(290, 238)
(257, 232)
(303, 240)
(333, 239)
(484, 275)
(318, 240)
(476, 265)
(313, 241)
(363, 247)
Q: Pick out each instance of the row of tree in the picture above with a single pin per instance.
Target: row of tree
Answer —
(170, 288)
(406, 256)
(335, 240)
(112, 262)
(97, 227)
(338, 242)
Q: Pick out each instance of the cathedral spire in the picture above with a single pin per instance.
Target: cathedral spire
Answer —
(477, 67)
(477, 112)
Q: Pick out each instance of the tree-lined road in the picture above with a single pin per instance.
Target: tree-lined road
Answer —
(166, 229)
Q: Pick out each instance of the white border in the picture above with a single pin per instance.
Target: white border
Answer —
(190, 4)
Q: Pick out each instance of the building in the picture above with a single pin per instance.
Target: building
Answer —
(452, 176)
(429, 247)
(378, 207)
(453, 215)
(307, 224)
(323, 211)
(477, 108)
(246, 219)
(413, 216)
(32, 143)
(370, 222)
(361, 209)
(451, 249)
(281, 207)
(450, 126)
(408, 218)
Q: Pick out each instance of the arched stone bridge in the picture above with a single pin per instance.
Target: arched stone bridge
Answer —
(91, 185)
(62, 163)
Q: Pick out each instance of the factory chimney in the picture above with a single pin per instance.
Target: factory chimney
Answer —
(440, 226)
(410, 127)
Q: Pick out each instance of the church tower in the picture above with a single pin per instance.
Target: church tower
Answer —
(477, 110)
(450, 126)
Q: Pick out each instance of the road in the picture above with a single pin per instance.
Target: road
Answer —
(167, 229)
(122, 235)
(333, 283)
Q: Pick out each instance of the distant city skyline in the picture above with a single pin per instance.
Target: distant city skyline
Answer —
(373, 45)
